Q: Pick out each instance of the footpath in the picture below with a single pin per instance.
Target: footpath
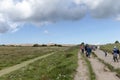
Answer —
(23, 64)
(108, 58)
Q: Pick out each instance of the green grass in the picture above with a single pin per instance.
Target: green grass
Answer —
(92, 75)
(60, 66)
(10, 56)
(118, 72)
(109, 47)
(94, 55)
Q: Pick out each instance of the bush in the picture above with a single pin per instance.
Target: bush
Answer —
(116, 42)
(59, 45)
(43, 45)
(36, 45)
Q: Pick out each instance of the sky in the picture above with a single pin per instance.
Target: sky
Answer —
(59, 21)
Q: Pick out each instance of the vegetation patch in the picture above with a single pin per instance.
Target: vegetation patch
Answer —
(10, 56)
(54, 67)
(109, 47)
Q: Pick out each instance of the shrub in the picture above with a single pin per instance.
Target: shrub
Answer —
(43, 45)
(36, 45)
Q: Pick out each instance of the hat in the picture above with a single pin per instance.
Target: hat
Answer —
(115, 47)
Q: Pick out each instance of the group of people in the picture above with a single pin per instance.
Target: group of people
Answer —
(87, 49)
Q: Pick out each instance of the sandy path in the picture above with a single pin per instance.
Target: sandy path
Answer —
(82, 71)
(108, 59)
(23, 64)
(101, 73)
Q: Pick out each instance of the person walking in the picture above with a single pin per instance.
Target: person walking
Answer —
(82, 48)
(89, 50)
(115, 53)
(105, 53)
(86, 46)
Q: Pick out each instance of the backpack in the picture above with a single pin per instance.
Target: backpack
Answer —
(118, 51)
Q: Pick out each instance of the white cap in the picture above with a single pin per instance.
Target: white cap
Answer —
(115, 47)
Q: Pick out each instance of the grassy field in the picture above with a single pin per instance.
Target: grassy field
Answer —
(14, 55)
(60, 66)
(109, 47)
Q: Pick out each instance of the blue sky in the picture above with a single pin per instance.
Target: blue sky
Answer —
(87, 30)
(60, 21)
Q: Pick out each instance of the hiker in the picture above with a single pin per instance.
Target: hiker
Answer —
(86, 46)
(89, 50)
(93, 47)
(105, 53)
(98, 47)
(82, 48)
(115, 53)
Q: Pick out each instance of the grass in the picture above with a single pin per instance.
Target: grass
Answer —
(91, 72)
(109, 47)
(10, 56)
(118, 72)
(60, 66)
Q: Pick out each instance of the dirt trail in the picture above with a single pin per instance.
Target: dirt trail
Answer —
(23, 64)
(108, 59)
(82, 71)
(101, 72)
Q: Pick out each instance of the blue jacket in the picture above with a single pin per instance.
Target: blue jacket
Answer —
(89, 50)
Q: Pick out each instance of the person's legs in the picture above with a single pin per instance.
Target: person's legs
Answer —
(119, 55)
(105, 54)
(114, 59)
(82, 50)
(86, 54)
(89, 54)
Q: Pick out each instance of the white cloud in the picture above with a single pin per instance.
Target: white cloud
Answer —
(6, 25)
(118, 18)
(46, 32)
(38, 11)
(102, 8)
(13, 13)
